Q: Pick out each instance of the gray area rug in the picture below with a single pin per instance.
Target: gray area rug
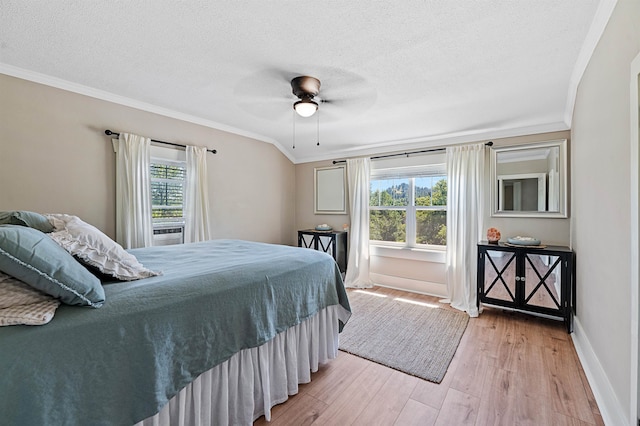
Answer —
(414, 338)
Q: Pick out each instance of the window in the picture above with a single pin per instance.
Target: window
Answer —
(408, 206)
(167, 191)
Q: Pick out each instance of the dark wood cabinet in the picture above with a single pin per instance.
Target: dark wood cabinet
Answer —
(331, 242)
(527, 279)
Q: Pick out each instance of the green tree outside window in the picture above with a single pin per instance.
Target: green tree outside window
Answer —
(389, 206)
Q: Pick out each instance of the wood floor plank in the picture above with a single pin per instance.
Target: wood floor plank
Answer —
(302, 410)
(499, 400)
(598, 418)
(276, 412)
(328, 387)
(531, 378)
(387, 404)
(470, 373)
(458, 408)
(415, 413)
(507, 345)
(534, 410)
(432, 394)
(483, 331)
(510, 368)
(355, 397)
(566, 388)
(504, 381)
(562, 420)
(533, 329)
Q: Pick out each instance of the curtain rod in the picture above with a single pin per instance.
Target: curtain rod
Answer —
(490, 143)
(109, 133)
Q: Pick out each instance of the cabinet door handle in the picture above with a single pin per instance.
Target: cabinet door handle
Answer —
(517, 278)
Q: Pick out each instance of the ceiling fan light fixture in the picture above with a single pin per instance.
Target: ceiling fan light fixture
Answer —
(305, 107)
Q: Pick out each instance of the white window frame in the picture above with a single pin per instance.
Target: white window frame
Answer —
(409, 249)
(169, 157)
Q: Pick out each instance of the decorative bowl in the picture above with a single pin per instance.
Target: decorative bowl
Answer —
(324, 227)
(523, 241)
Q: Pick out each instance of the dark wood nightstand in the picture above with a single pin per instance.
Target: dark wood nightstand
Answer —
(331, 242)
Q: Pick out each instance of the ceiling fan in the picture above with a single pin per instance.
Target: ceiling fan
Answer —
(270, 92)
(305, 88)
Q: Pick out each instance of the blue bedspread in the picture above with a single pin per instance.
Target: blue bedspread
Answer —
(121, 363)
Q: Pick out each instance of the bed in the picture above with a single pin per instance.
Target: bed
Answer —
(228, 330)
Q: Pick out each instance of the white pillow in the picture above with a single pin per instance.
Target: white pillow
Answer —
(93, 247)
(22, 304)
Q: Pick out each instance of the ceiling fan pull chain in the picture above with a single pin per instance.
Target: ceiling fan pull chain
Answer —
(294, 129)
(318, 128)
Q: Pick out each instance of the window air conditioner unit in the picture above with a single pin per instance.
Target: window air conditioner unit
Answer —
(165, 236)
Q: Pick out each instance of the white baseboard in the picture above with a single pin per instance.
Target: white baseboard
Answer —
(407, 284)
(610, 408)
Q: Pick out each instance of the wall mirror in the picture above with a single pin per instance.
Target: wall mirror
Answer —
(529, 180)
(330, 190)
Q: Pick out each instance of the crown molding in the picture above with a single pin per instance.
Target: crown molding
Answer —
(132, 103)
(437, 141)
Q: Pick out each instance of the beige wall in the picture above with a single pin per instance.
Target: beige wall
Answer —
(54, 157)
(424, 275)
(305, 217)
(601, 221)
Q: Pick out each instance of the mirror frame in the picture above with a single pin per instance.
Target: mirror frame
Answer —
(330, 195)
(562, 175)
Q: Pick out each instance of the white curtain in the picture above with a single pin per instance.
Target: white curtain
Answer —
(465, 176)
(133, 195)
(196, 196)
(358, 265)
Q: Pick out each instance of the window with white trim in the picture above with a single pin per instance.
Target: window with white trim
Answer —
(168, 173)
(167, 191)
(408, 206)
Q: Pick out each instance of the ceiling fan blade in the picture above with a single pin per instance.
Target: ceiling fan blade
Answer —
(347, 95)
(273, 110)
(348, 107)
(268, 84)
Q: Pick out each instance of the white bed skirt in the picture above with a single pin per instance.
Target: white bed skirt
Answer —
(245, 387)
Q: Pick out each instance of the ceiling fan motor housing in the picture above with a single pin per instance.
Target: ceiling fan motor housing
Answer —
(305, 87)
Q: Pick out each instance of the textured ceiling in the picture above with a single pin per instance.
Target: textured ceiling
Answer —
(395, 74)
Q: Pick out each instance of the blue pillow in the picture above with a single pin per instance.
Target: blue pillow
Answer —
(34, 258)
(26, 218)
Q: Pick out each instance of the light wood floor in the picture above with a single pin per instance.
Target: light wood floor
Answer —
(510, 369)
